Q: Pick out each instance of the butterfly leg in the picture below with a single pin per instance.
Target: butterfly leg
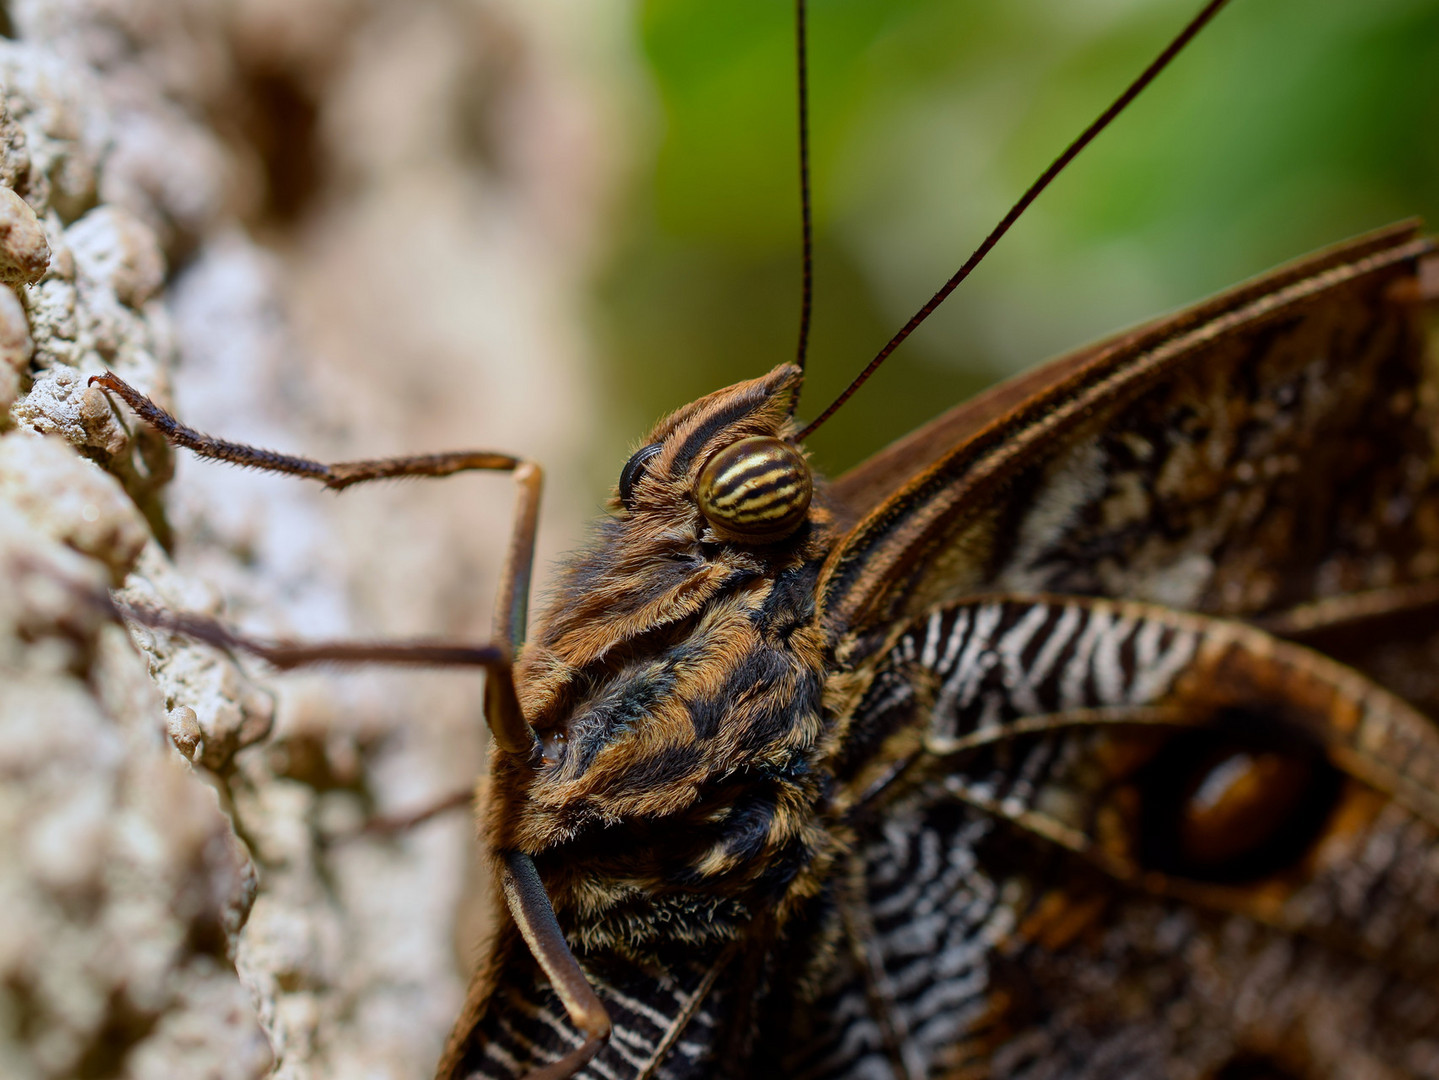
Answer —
(502, 709)
(335, 476)
(391, 824)
(530, 907)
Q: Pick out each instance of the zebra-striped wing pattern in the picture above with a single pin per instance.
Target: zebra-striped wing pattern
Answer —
(1038, 892)
(669, 1015)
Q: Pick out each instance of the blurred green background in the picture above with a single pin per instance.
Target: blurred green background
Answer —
(1288, 125)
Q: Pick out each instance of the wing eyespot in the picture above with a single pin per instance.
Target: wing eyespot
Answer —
(756, 490)
(1229, 812)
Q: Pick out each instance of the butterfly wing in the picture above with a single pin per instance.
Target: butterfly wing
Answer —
(1260, 451)
(1045, 886)
(668, 1014)
(1044, 882)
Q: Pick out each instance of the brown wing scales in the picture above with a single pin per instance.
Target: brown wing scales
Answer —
(1024, 915)
(1279, 451)
(1004, 958)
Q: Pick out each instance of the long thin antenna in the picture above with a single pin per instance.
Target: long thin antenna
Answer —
(1086, 137)
(806, 300)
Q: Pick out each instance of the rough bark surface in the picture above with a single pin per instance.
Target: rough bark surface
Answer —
(335, 228)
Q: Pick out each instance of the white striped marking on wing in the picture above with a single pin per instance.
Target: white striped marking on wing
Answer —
(941, 1031)
(926, 854)
(906, 647)
(899, 693)
(980, 656)
(639, 1008)
(861, 1035)
(1070, 619)
(597, 1064)
(957, 635)
(967, 940)
(948, 994)
(930, 653)
(1076, 672)
(623, 1035)
(545, 1055)
(1020, 796)
(496, 1052)
(564, 1031)
(1108, 666)
(1154, 671)
(961, 686)
(1011, 656)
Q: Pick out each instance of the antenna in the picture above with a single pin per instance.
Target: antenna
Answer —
(806, 300)
(1056, 167)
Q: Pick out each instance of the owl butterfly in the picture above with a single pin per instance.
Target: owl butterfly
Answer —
(1084, 732)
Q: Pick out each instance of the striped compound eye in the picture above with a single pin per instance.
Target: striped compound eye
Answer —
(756, 490)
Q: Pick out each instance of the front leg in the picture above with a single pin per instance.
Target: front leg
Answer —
(335, 475)
(502, 709)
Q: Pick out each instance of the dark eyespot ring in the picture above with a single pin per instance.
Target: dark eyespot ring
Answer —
(634, 470)
(1225, 811)
(756, 490)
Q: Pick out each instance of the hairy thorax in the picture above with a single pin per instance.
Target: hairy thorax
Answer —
(675, 683)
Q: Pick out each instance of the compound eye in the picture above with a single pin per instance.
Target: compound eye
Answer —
(634, 471)
(756, 490)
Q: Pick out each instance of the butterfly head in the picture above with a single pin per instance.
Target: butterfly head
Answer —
(726, 466)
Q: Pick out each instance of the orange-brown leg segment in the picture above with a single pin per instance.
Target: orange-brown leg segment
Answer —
(337, 475)
(502, 709)
(530, 907)
(389, 824)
